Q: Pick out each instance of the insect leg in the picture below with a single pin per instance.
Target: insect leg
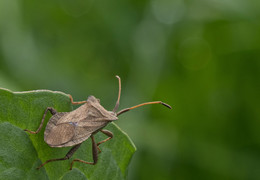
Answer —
(109, 134)
(52, 111)
(94, 154)
(79, 102)
(68, 155)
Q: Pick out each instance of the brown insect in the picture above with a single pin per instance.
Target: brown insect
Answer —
(73, 128)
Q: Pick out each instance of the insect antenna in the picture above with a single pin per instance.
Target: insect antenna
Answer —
(139, 105)
(119, 94)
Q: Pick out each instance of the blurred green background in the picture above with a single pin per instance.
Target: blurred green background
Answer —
(202, 57)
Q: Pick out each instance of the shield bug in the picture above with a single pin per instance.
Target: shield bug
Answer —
(73, 128)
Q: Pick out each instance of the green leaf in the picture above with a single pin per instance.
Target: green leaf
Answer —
(21, 153)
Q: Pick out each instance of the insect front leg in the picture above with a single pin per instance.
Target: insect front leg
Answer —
(68, 155)
(94, 154)
(110, 136)
(52, 111)
(79, 102)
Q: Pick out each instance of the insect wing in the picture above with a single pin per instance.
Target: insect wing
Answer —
(60, 134)
(71, 128)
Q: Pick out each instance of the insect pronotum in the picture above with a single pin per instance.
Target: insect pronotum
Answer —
(73, 128)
